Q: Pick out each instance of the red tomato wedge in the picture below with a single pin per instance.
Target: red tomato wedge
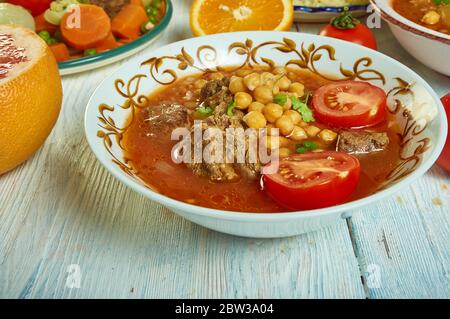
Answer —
(444, 158)
(351, 104)
(313, 180)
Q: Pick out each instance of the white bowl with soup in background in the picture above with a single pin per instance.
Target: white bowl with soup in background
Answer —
(411, 104)
(430, 47)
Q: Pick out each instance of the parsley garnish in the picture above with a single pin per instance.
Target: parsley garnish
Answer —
(280, 99)
(439, 2)
(230, 108)
(306, 146)
(203, 111)
(301, 106)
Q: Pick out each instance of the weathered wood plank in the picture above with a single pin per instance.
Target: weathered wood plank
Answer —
(402, 243)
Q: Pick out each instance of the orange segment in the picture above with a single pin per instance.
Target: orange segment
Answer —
(216, 16)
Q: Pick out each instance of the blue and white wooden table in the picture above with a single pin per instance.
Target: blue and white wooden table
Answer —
(63, 215)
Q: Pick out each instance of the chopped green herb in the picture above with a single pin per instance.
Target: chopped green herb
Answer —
(306, 146)
(230, 108)
(90, 52)
(301, 106)
(280, 99)
(439, 2)
(203, 111)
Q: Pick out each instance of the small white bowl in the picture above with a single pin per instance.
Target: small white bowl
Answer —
(430, 47)
(417, 108)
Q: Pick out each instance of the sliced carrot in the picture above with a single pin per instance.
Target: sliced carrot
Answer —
(127, 23)
(60, 51)
(85, 27)
(137, 2)
(43, 25)
(107, 44)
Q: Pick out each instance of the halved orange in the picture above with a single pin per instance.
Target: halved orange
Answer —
(216, 16)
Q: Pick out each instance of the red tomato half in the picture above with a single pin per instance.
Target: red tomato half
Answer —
(444, 158)
(35, 6)
(350, 104)
(313, 180)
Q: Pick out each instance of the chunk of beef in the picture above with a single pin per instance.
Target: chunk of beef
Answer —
(215, 94)
(112, 7)
(165, 117)
(362, 142)
(218, 88)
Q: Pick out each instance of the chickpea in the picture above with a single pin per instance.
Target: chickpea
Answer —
(256, 106)
(285, 124)
(243, 72)
(287, 106)
(263, 94)
(328, 136)
(297, 88)
(431, 17)
(242, 100)
(279, 70)
(272, 142)
(298, 134)
(272, 112)
(255, 119)
(200, 83)
(272, 130)
(284, 142)
(252, 81)
(284, 83)
(294, 115)
(312, 130)
(275, 89)
(237, 85)
(217, 76)
(292, 75)
(284, 151)
(267, 77)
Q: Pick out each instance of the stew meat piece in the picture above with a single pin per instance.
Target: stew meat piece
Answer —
(362, 142)
(216, 95)
(166, 117)
(112, 7)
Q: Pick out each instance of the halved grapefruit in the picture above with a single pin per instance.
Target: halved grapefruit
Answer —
(30, 94)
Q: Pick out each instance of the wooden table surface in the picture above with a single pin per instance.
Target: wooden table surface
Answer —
(68, 229)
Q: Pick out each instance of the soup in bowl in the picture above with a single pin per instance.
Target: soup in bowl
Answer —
(422, 27)
(265, 134)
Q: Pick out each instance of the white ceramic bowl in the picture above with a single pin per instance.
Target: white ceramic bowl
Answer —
(411, 100)
(430, 47)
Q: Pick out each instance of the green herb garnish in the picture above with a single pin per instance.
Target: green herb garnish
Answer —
(280, 99)
(203, 111)
(230, 108)
(305, 147)
(439, 2)
(302, 107)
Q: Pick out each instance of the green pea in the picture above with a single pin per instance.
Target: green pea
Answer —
(51, 41)
(90, 52)
(151, 11)
(156, 3)
(153, 20)
(45, 35)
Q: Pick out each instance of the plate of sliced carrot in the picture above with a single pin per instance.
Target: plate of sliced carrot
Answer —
(86, 34)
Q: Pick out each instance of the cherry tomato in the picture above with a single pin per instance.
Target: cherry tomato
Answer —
(347, 28)
(313, 180)
(35, 6)
(444, 158)
(350, 104)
